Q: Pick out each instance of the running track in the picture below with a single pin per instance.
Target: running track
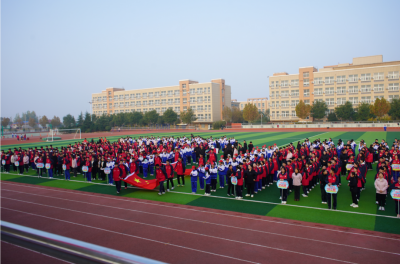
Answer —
(185, 234)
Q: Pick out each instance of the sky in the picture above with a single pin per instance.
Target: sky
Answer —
(55, 54)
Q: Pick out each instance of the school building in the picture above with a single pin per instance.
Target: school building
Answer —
(206, 99)
(363, 80)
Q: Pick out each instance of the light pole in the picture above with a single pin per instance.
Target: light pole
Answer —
(91, 108)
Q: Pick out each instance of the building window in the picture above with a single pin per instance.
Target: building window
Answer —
(318, 80)
(366, 99)
(329, 90)
(285, 83)
(306, 74)
(329, 80)
(295, 93)
(183, 86)
(391, 97)
(341, 90)
(150, 95)
(285, 94)
(393, 87)
(353, 89)
(176, 93)
(330, 101)
(306, 82)
(378, 87)
(318, 91)
(272, 84)
(294, 82)
(393, 75)
(353, 100)
(307, 102)
(138, 96)
(272, 95)
(341, 101)
(170, 93)
(365, 88)
(366, 77)
(223, 99)
(306, 92)
(353, 78)
(379, 76)
(341, 79)
(144, 95)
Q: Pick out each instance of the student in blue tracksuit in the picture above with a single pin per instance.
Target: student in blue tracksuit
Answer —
(213, 172)
(110, 164)
(193, 178)
(202, 172)
(193, 155)
(145, 165)
(207, 178)
(221, 174)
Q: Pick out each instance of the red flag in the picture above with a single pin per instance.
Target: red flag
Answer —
(140, 182)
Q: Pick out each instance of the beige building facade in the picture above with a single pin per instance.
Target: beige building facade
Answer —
(363, 80)
(206, 99)
(261, 103)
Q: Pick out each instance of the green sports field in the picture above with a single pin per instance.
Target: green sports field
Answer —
(265, 202)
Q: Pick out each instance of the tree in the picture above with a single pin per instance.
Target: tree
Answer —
(80, 120)
(87, 123)
(332, 117)
(303, 110)
(227, 114)
(345, 112)
(16, 118)
(151, 117)
(69, 121)
(319, 109)
(250, 112)
(364, 112)
(394, 111)
(188, 116)
(19, 122)
(5, 121)
(28, 115)
(55, 122)
(136, 118)
(237, 115)
(43, 121)
(32, 122)
(170, 117)
(380, 107)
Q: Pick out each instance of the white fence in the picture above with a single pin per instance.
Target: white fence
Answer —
(324, 125)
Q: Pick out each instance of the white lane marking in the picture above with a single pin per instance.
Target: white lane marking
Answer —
(2, 241)
(188, 232)
(199, 221)
(220, 197)
(115, 232)
(196, 210)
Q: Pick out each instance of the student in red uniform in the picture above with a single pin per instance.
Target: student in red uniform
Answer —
(116, 173)
(89, 172)
(283, 176)
(160, 176)
(239, 186)
(180, 171)
(332, 180)
(169, 170)
(124, 171)
(50, 171)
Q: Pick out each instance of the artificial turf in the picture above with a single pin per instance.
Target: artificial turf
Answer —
(265, 202)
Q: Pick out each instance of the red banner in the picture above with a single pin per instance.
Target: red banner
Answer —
(140, 182)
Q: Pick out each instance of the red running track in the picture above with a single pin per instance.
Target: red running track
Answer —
(187, 234)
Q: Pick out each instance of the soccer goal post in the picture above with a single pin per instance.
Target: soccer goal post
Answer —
(64, 134)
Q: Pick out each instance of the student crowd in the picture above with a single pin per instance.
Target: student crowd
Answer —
(241, 166)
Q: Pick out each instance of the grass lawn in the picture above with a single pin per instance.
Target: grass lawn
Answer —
(265, 202)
